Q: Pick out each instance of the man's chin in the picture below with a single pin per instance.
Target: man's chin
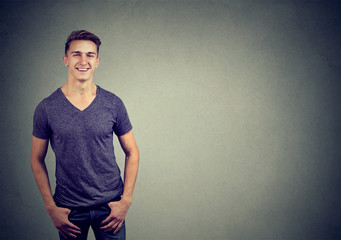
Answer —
(83, 79)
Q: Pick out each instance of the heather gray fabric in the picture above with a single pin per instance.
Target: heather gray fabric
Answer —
(86, 170)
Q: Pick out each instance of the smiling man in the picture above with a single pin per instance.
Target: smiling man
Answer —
(79, 120)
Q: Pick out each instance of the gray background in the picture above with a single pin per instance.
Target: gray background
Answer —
(235, 107)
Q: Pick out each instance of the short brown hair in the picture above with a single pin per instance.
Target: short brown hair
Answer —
(82, 35)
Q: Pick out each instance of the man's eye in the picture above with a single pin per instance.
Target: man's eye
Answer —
(76, 55)
(90, 56)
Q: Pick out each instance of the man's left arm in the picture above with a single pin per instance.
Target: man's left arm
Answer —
(119, 209)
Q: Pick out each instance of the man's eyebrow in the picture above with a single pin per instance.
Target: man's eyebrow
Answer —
(81, 52)
(76, 52)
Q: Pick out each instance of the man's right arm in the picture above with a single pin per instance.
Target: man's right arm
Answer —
(59, 215)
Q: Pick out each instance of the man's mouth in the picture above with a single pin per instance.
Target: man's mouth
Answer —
(82, 69)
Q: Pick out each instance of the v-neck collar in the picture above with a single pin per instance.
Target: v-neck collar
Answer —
(76, 108)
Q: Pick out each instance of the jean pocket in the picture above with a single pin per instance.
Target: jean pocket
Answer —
(78, 216)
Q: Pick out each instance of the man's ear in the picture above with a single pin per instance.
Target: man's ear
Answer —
(66, 62)
(97, 62)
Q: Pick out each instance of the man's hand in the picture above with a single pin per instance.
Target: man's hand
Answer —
(60, 220)
(116, 217)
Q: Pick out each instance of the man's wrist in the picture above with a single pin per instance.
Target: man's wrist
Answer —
(126, 199)
(50, 207)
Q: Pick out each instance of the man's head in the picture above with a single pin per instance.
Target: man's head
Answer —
(81, 55)
(82, 35)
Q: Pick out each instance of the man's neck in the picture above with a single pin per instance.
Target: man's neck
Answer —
(77, 88)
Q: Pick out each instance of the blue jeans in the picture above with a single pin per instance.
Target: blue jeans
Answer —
(86, 217)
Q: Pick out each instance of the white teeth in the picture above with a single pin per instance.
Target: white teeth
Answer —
(82, 69)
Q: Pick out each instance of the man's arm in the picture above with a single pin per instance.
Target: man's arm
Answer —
(59, 215)
(119, 209)
(131, 151)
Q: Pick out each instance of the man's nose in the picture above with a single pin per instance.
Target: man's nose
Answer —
(83, 59)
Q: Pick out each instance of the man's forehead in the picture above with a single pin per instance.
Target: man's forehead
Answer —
(82, 46)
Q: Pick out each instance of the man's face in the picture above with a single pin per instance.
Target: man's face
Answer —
(81, 59)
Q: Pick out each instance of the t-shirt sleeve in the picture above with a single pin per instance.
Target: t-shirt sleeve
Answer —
(40, 124)
(122, 125)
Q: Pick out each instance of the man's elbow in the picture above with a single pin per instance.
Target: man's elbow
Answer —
(133, 154)
(36, 163)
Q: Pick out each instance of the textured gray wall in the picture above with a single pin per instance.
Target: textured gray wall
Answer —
(235, 107)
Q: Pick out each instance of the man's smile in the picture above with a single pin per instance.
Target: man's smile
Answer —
(82, 69)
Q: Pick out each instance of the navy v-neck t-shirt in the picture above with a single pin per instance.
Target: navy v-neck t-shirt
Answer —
(86, 170)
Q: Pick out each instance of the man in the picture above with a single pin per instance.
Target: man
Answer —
(79, 120)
